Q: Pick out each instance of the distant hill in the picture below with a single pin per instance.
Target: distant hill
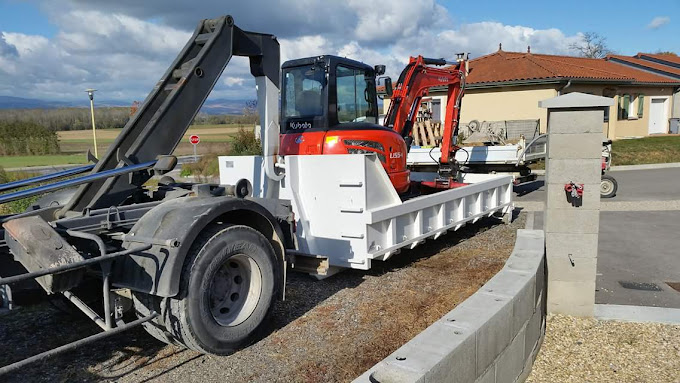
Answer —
(9, 102)
(218, 106)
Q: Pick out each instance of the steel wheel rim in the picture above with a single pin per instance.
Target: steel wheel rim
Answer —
(606, 186)
(235, 290)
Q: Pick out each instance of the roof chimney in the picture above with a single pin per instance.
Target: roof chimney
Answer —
(529, 49)
(500, 46)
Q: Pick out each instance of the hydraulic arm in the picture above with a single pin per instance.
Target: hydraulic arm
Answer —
(161, 121)
(413, 84)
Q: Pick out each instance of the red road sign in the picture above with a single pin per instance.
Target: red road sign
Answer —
(194, 139)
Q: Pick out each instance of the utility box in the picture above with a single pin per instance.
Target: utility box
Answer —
(675, 125)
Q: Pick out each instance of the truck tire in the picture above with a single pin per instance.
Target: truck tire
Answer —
(608, 186)
(227, 290)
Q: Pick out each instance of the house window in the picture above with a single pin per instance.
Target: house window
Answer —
(633, 110)
(641, 105)
(624, 106)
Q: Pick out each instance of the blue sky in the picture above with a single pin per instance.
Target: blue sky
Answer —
(624, 23)
(55, 48)
(24, 17)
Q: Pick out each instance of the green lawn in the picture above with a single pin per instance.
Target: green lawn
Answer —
(648, 150)
(57, 159)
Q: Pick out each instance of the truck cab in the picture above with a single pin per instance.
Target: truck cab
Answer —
(329, 106)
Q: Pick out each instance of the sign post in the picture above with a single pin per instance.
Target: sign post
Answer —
(194, 139)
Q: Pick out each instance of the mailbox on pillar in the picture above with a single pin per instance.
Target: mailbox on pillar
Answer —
(572, 211)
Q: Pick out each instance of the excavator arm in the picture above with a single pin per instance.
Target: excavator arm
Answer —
(413, 84)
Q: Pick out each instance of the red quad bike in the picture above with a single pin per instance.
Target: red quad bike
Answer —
(608, 184)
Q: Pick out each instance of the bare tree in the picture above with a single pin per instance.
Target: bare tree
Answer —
(592, 45)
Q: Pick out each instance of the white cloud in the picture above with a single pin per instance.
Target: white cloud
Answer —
(122, 48)
(658, 22)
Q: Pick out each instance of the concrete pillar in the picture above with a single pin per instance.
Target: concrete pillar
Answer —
(571, 232)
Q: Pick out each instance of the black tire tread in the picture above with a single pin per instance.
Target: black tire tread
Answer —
(172, 325)
(614, 189)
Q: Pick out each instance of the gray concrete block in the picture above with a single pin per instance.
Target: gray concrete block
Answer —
(562, 269)
(459, 362)
(541, 281)
(493, 335)
(575, 146)
(580, 171)
(571, 297)
(386, 373)
(575, 121)
(520, 288)
(532, 331)
(531, 242)
(579, 245)
(489, 375)
(523, 306)
(521, 265)
(508, 284)
(572, 221)
(511, 361)
(557, 197)
(417, 360)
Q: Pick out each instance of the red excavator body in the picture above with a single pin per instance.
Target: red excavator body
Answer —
(329, 106)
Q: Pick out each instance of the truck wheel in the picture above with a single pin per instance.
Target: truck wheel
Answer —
(608, 186)
(227, 291)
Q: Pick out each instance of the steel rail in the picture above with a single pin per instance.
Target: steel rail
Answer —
(46, 177)
(76, 181)
(71, 266)
(70, 346)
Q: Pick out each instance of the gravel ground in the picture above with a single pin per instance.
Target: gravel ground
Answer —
(589, 350)
(331, 330)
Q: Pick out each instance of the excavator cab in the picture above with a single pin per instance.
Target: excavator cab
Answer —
(329, 105)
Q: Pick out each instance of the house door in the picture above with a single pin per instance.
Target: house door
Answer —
(657, 116)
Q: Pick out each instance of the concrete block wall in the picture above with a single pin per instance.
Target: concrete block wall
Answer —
(493, 336)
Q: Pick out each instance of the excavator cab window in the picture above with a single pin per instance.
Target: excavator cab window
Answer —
(303, 90)
(355, 95)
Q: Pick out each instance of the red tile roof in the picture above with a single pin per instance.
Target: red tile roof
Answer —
(515, 66)
(647, 63)
(668, 58)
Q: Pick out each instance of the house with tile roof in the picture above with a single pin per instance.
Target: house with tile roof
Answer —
(508, 86)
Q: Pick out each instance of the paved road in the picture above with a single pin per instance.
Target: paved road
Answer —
(638, 250)
(634, 185)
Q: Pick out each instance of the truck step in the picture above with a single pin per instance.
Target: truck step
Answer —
(309, 263)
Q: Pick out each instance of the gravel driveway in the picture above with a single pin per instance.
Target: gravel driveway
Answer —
(330, 330)
(590, 350)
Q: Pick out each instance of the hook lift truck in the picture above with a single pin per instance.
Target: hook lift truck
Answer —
(202, 264)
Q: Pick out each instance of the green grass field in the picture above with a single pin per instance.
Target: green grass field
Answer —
(648, 150)
(57, 159)
(75, 143)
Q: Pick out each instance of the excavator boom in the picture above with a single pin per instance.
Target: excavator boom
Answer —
(413, 84)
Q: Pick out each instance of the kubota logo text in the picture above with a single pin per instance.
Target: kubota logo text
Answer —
(300, 125)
